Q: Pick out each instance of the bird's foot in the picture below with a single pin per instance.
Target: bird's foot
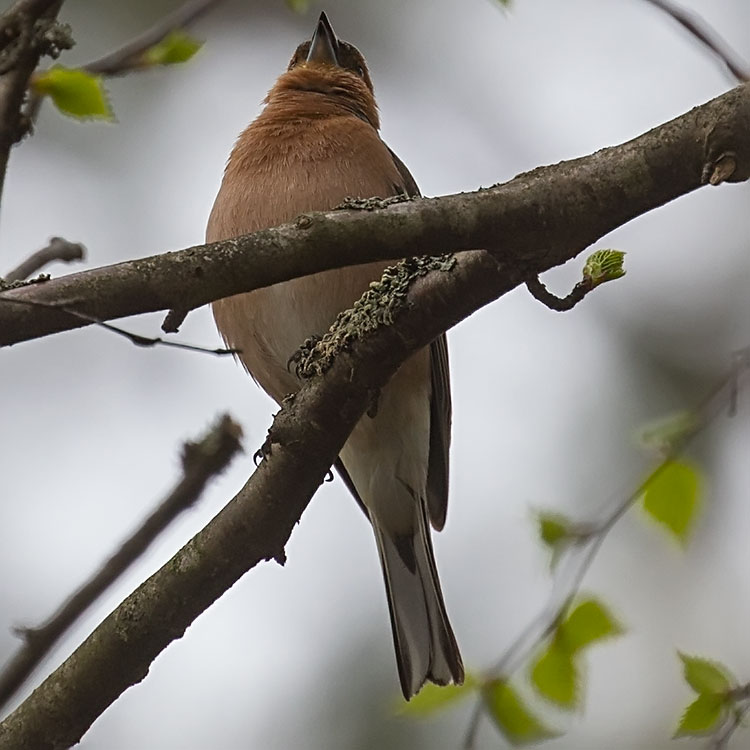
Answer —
(263, 452)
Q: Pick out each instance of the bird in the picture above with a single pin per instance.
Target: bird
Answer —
(315, 143)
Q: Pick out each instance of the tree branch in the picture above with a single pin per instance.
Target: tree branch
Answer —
(200, 462)
(136, 339)
(559, 304)
(18, 24)
(57, 249)
(562, 209)
(128, 57)
(697, 27)
(303, 442)
(538, 220)
(581, 550)
(22, 8)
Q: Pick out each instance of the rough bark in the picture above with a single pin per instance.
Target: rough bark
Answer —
(536, 221)
(539, 219)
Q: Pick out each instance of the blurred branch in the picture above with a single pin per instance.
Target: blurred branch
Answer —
(580, 554)
(130, 56)
(200, 462)
(720, 741)
(22, 43)
(698, 27)
(57, 249)
(583, 199)
(303, 442)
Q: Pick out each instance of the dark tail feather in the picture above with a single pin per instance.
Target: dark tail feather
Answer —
(426, 648)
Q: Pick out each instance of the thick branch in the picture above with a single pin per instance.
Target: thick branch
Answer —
(305, 438)
(535, 210)
(539, 219)
(28, 8)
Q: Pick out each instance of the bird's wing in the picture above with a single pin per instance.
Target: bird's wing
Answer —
(410, 184)
(440, 405)
(440, 433)
(438, 465)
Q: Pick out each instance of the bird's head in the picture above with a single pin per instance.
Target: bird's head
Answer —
(330, 66)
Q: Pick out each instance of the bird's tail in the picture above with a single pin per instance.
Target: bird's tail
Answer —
(426, 648)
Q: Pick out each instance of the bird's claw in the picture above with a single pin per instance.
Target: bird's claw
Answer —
(263, 452)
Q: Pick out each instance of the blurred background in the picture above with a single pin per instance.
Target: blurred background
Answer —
(547, 406)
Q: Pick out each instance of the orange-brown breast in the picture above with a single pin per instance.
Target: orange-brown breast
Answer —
(289, 161)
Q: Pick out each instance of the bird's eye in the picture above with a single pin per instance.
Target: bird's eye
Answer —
(360, 71)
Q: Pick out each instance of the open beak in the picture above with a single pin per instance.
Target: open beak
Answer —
(324, 45)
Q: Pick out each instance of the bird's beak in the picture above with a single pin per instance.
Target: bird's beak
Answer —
(324, 45)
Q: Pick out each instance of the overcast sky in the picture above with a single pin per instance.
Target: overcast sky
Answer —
(546, 405)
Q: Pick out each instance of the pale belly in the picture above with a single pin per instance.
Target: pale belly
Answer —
(269, 325)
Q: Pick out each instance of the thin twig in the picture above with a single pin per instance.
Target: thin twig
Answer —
(57, 249)
(129, 56)
(698, 27)
(570, 573)
(200, 462)
(721, 740)
(134, 338)
(559, 304)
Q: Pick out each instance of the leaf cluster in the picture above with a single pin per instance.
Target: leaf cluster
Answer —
(79, 93)
(717, 697)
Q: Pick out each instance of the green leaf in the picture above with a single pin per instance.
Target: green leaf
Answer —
(706, 677)
(587, 623)
(553, 527)
(298, 6)
(513, 718)
(603, 266)
(702, 716)
(176, 47)
(555, 676)
(74, 92)
(672, 497)
(433, 698)
(557, 533)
